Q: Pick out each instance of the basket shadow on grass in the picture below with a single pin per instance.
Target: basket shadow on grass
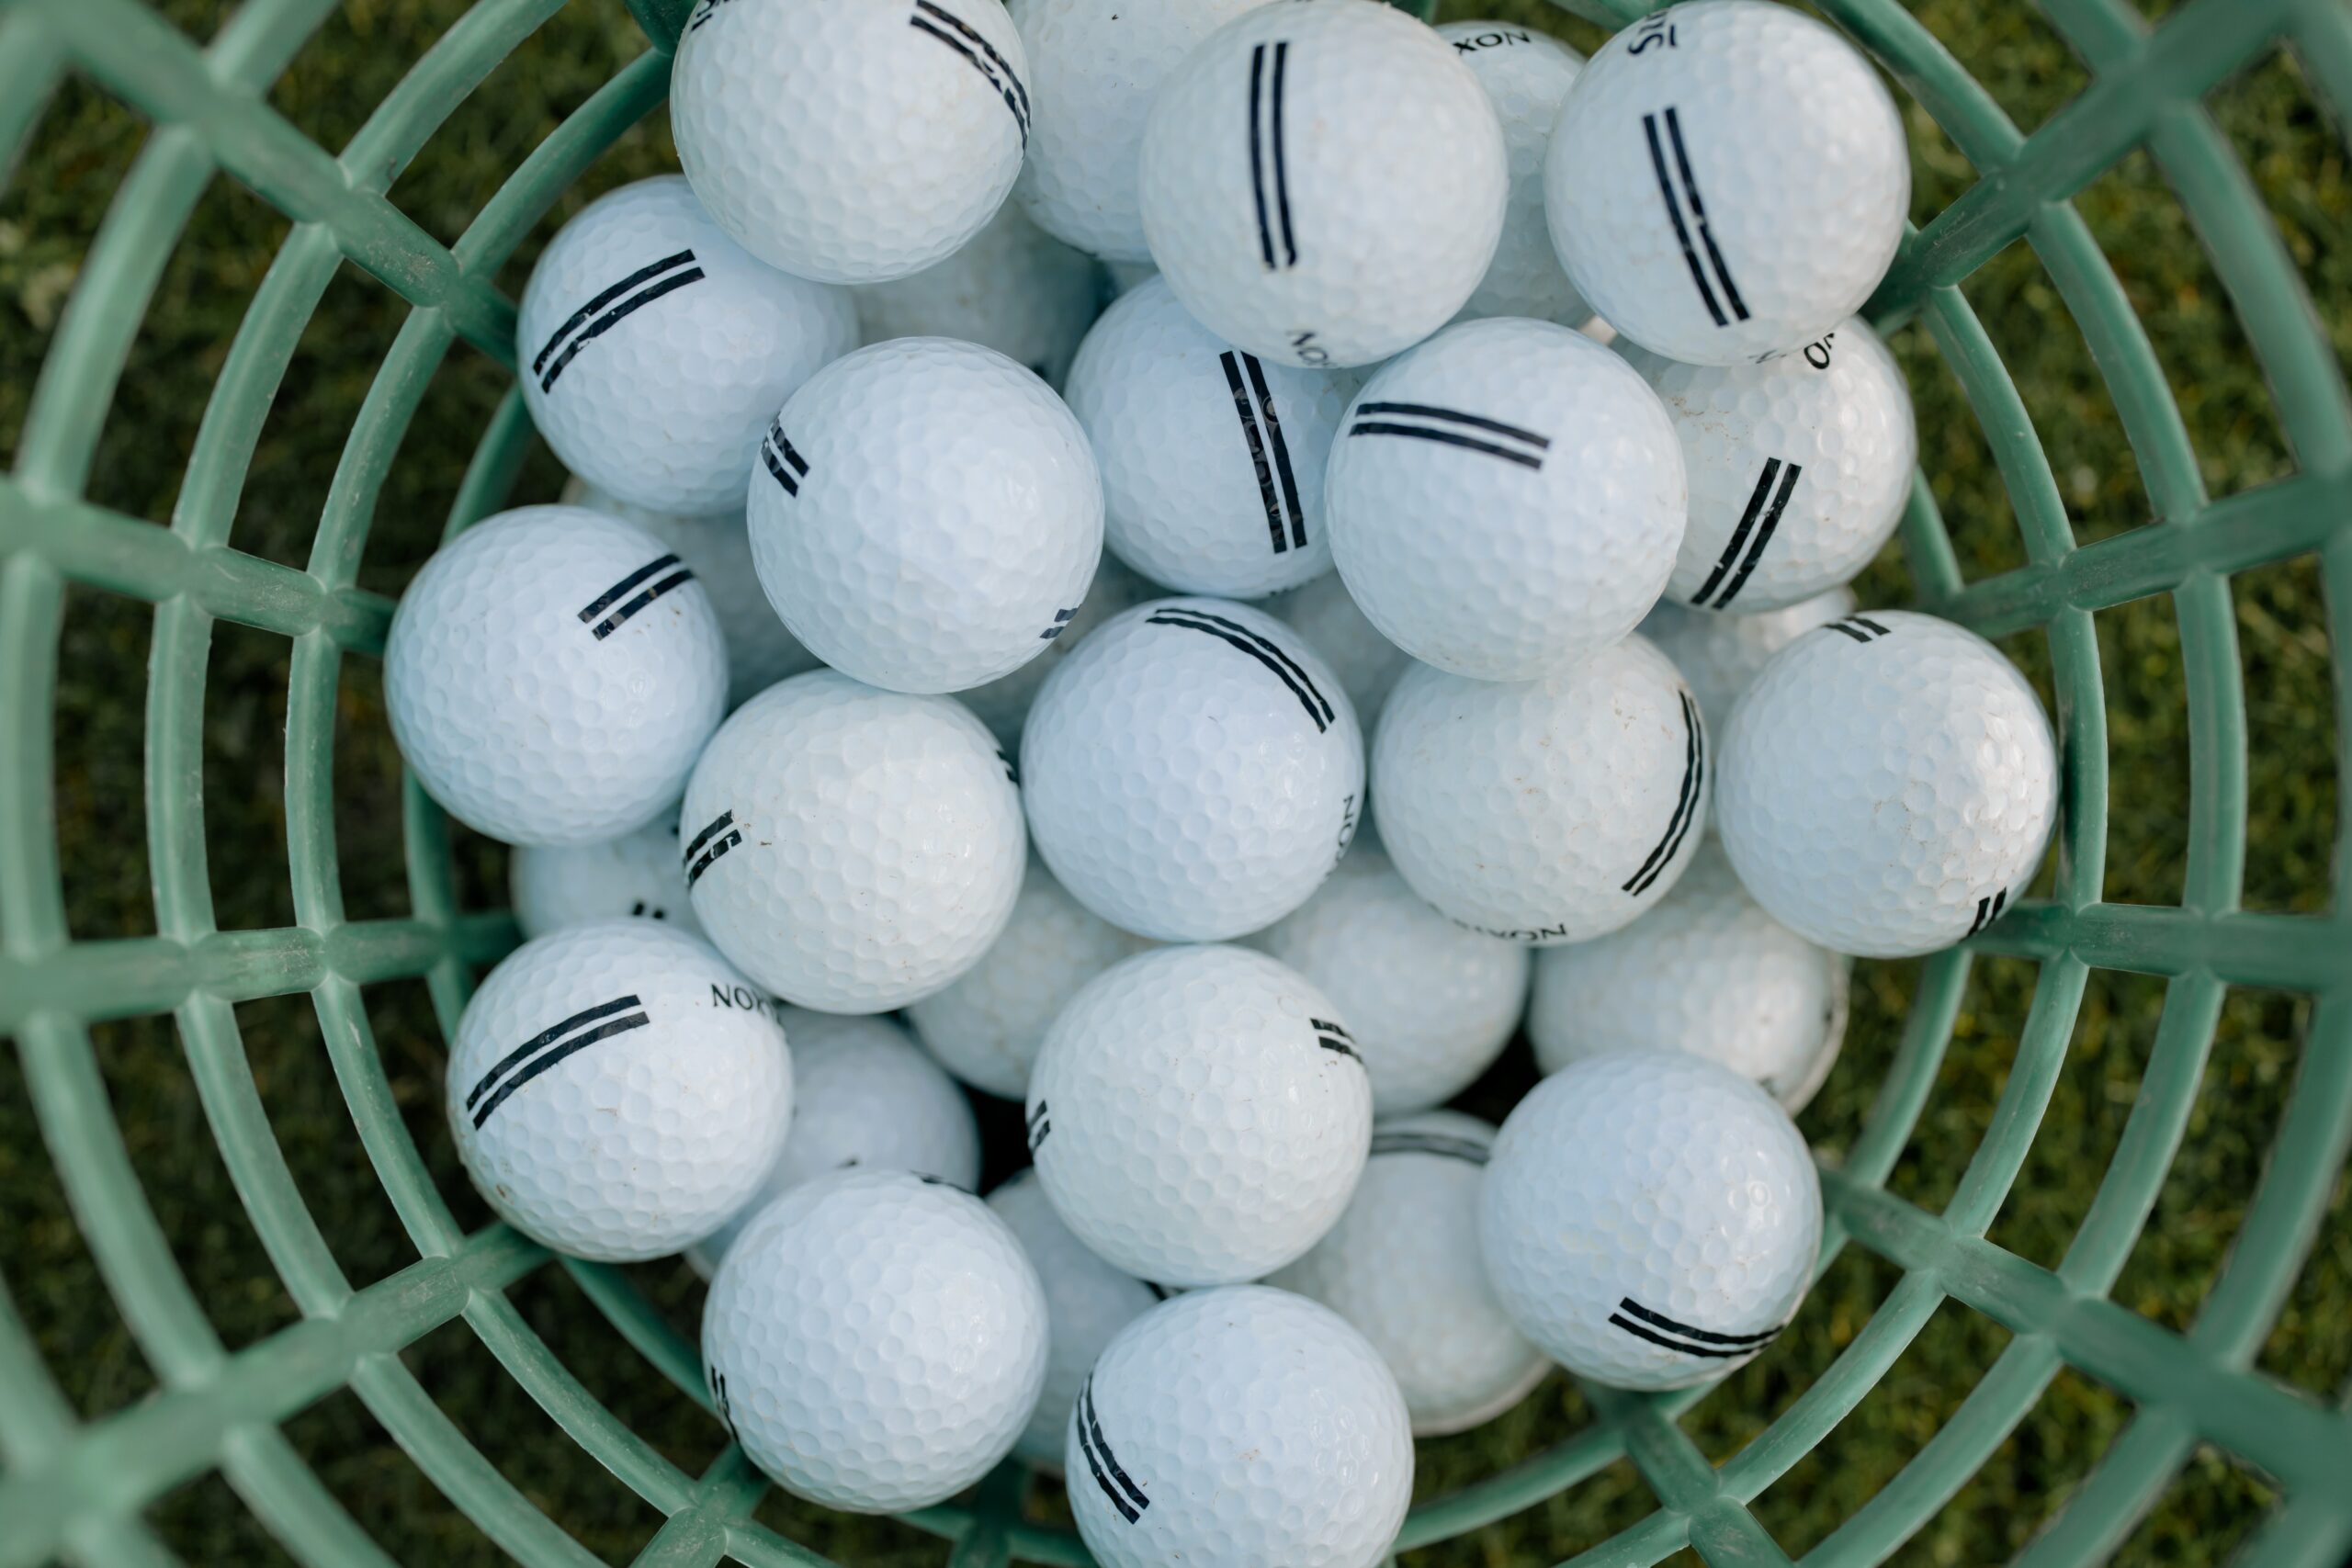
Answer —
(46, 218)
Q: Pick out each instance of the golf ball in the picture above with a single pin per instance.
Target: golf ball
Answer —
(1526, 75)
(1719, 655)
(1014, 288)
(635, 876)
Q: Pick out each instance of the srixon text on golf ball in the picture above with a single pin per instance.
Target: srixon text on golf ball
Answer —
(1202, 568)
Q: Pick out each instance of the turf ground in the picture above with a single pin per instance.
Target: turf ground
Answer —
(59, 193)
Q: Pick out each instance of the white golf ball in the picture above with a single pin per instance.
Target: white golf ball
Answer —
(1014, 288)
(1719, 655)
(616, 1090)
(1707, 973)
(1003, 704)
(1799, 468)
(1888, 785)
(1403, 1267)
(874, 1340)
(1434, 1004)
(1087, 1303)
(1193, 772)
(1543, 811)
(1649, 1219)
(1095, 66)
(867, 1098)
(654, 349)
(1247, 1427)
(1212, 458)
(850, 141)
(1526, 75)
(1199, 1115)
(1367, 663)
(1728, 181)
(852, 850)
(925, 515)
(1322, 182)
(760, 649)
(1505, 499)
(551, 674)
(987, 1027)
(636, 877)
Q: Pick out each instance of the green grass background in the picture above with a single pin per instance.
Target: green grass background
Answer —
(60, 193)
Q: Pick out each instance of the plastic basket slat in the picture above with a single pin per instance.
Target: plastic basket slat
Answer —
(1688, 1488)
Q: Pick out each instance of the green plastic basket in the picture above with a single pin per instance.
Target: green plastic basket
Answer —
(80, 1489)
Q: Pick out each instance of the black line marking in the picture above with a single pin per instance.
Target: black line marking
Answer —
(1100, 1458)
(1252, 438)
(603, 602)
(1344, 1047)
(1763, 534)
(725, 824)
(613, 622)
(571, 1047)
(1694, 765)
(1041, 1122)
(1619, 1320)
(1698, 212)
(1455, 416)
(1688, 1331)
(1861, 628)
(614, 318)
(719, 1398)
(1681, 232)
(1989, 910)
(1256, 154)
(711, 857)
(726, 819)
(1281, 156)
(1061, 624)
(1869, 625)
(642, 275)
(1269, 162)
(1436, 1144)
(1279, 447)
(994, 69)
(1450, 439)
(1259, 648)
(1756, 499)
(547, 1037)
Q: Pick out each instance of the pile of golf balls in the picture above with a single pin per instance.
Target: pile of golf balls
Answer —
(1208, 572)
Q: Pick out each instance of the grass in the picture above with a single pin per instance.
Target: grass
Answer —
(59, 194)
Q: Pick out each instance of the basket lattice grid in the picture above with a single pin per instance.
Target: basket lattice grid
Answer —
(77, 1489)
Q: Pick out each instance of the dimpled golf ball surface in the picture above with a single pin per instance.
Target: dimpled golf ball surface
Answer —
(760, 649)
(1003, 704)
(1246, 1427)
(1719, 655)
(1505, 499)
(852, 850)
(1199, 1115)
(1212, 458)
(1014, 288)
(987, 1027)
(1322, 182)
(655, 349)
(1094, 65)
(866, 1097)
(1526, 75)
(1728, 181)
(875, 1341)
(1403, 1267)
(1889, 784)
(1543, 811)
(550, 676)
(1648, 1219)
(636, 877)
(1707, 973)
(616, 1090)
(1366, 663)
(1434, 1004)
(1087, 1303)
(1799, 468)
(850, 141)
(925, 515)
(1193, 772)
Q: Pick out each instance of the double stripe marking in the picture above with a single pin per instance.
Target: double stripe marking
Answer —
(1264, 651)
(1262, 431)
(1061, 624)
(632, 597)
(1660, 1329)
(579, 329)
(965, 40)
(1041, 1122)
(1268, 164)
(1116, 1484)
(1332, 1036)
(1989, 909)
(1766, 502)
(1437, 1144)
(1679, 189)
(1685, 808)
(1450, 427)
(1861, 628)
(721, 836)
(544, 1050)
(787, 464)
